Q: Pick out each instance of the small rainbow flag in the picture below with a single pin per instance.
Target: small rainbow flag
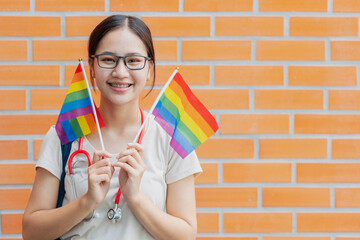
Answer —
(184, 117)
(76, 117)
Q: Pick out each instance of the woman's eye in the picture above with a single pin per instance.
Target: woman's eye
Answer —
(108, 60)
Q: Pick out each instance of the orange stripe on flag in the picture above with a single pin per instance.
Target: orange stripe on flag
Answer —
(91, 122)
(191, 111)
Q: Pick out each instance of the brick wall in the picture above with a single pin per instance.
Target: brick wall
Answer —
(281, 77)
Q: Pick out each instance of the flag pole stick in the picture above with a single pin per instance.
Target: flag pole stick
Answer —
(156, 101)
(92, 105)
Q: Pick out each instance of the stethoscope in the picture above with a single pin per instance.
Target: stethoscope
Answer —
(114, 214)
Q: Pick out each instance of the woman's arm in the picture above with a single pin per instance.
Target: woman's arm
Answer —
(180, 220)
(42, 220)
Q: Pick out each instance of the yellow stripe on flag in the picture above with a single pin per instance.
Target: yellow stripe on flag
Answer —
(83, 125)
(77, 86)
(184, 116)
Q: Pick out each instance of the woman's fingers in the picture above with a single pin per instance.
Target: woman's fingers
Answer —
(100, 154)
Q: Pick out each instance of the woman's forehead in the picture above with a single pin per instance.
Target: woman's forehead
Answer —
(121, 41)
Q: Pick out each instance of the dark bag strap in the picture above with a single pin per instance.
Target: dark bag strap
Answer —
(65, 152)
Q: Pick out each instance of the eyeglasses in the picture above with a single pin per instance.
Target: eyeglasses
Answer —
(110, 61)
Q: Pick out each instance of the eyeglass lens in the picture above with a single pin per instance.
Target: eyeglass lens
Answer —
(131, 62)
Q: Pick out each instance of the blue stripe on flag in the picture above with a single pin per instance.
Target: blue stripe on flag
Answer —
(68, 130)
(67, 107)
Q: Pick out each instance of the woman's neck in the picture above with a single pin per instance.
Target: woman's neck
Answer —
(118, 118)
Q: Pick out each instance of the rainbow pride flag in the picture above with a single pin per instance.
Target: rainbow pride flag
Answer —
(184, 117)
(76, 116)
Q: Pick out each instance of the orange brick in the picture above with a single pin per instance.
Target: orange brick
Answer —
(12, 100)
(166, 50)
(144, 6)
(293, 148)
(345, 50)
(328, 172)
(257, 222)
(290, 50)
(292, 6)
(37, 147)
(346, 6)
(218, 5)
(81, 25)
(11, 223)
(52, 98)
(148, 101)
(226, 148)
(59, 50)
(223, 98)
(178, 26)
(296, 238)
(17, 173)
(288, 99)
(322, 75)
(226, 238)
(347, 238)
(207, 222)
(14, 198)
(254, 123)
(13, 50)
(328, 222)
(192, 74)
(15, 5)
(296, 197)
(226, 197)
(29, 26)
(249, 26)
(209, 174)
(345, 148)
(47, 98)
(26, 124)
(69, 5)
(344, 99)
(29, 75)
(249, 75)
(256, 172)
(347, 197)
(326, 124)
(216, 50)
(324, 26)
(70, 71)
(13, 149)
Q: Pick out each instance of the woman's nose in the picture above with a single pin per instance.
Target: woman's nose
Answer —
(120, 70)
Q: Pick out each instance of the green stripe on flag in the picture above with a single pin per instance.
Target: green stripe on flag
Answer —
(76, 127)
(76, 95)
(181, 127)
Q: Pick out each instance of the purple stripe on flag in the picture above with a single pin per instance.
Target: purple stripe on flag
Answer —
(178, 148)
(173, 143)
(75, 113)
(163, 123)
(61, 133)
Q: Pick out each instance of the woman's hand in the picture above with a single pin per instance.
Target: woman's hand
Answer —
(99, 176)
(132, 168)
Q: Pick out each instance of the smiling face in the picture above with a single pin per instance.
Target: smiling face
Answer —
(121, 85)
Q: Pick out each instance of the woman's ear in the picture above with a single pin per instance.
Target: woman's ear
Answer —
(151, 69)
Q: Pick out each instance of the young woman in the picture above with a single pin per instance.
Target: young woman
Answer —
(157, 186)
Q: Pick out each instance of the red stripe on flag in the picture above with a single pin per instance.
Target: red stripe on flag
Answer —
(195, 102)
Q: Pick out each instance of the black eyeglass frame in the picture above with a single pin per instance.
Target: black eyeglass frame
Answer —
(118, 60)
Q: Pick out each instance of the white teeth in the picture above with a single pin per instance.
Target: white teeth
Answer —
(120, 85)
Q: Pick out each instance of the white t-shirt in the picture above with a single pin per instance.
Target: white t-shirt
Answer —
(163, 166)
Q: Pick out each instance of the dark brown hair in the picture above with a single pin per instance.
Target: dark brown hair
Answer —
(113, 22)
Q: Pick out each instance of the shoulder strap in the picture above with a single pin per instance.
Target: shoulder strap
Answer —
(65, 152)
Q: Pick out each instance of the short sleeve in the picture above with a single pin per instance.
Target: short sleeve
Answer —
(179, 168)
(50, 153)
